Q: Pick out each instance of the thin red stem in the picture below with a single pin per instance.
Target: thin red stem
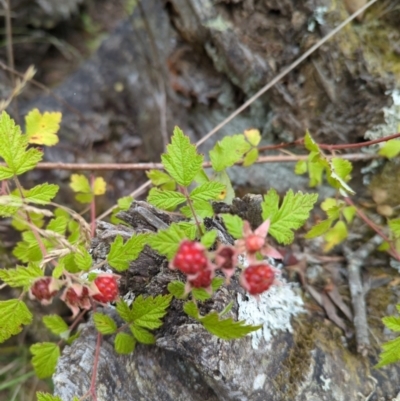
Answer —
(93, 208)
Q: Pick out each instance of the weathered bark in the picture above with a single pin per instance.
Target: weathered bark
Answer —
(306, 361)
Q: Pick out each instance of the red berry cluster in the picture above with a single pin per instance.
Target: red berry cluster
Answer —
(76, 295)
(257, 278)
(108, 288)
(191, 259)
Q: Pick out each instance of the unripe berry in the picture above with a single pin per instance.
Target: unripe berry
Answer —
(108, 287)
(254, 243)
(257, 278)
(202, 280)
(72, 298)
(190, 258)
(41, 289)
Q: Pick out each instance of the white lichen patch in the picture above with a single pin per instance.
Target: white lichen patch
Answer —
(259, 381)
(273, 309)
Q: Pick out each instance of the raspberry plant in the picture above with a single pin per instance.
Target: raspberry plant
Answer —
(56, 239)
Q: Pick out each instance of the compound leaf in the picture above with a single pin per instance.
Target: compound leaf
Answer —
(45, 357)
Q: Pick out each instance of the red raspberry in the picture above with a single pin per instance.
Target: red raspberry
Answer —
(254, 243)
(41, 289)
(71, 297)
(257, 278)
(108, 287)
(190, 258)
(202, 280)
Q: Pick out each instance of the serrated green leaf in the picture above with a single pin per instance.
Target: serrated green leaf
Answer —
(390, 149)
(201, 177)
(6, 173)
(68, 263)
(125, 202)
(58, 225)
(228, 151)
(21, 276)
(42, 193)
(14, 314)
(177, 289)
(319, 229)
(121, 254)
(148, 312)
(160, 179)
(9, 205)
(166, 200)
(227, 329)
(28, 250)
(209, 238)
(292, 214)
(58, 270)
(332, 208)
(124, 343)
(339, 173)
(216, 283)
(84, 198)
(200, 294)
(207, 191)
(392, 322)
(45, 357)
(253, 136)
(390, 353)
(335, 235)
(202, 209)
(191, 310)
(124, 311)
(55, 324)
(394, 225)
(142, 335)
(315, 172)
(83, 259)
(104, 324)
(48, 397)
(250, 157)
(13, 148)
(349, 213)
(190, 229)
(167, 241)
(41, 129)
(182, 161)
(234, 225)
(301, 167)
(310, 144)
(79, 183)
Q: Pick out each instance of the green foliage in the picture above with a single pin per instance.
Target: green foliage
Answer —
(226, 329)
(334, 233)
(163, 180)
(337, 170)
(390, 149)
(45, 357)
(291, 215)
(167, 200)
(47, 397)
(228, 151)
(121, 254)
(209, 238)
(14, 314)
(21, 276)
(13, 149)
(85, 192)
(41, 129)
(124, 343)
(104, 324)
(234, 225)
(123, 204)
(391, 349)
(182, 161)
(143, 315)
(56, 324)
(167, 241)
